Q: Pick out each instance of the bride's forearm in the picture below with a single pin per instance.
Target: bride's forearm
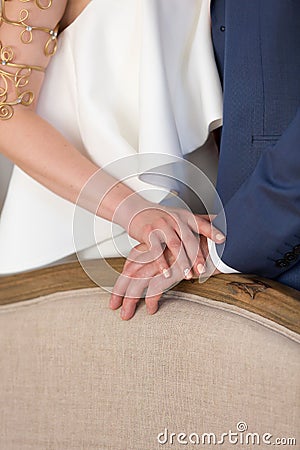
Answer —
(44, 154)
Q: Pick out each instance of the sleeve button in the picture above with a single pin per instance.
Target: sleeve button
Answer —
(290, 256)
(281, 263)
(222, 28)
(297, 249)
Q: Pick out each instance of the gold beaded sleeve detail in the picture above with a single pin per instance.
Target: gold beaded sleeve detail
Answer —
(16, 87)
(19, 78)
(26, 34)
(40, 4)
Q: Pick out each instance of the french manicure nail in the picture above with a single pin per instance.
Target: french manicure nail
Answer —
(201, 269)
(220, 237)
(187, 274)
(166, 273)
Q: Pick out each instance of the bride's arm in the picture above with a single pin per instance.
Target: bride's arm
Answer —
(42, 152)
(28, 140)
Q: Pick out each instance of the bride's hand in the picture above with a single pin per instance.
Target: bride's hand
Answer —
(140, 274)
(179, 231)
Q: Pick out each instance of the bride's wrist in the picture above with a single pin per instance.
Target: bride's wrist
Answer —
(129, 208)
(120, 205)
(114, 200)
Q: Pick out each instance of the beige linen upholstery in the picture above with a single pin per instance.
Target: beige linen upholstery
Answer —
(74, 376)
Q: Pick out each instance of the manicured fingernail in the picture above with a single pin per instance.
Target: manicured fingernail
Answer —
(220, 237)
(187, 274)
(201, 269)
(166, 273)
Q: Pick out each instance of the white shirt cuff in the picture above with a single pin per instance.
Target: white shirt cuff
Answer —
(217, 262)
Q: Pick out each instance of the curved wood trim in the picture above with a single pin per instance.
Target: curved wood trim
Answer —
(266, 298)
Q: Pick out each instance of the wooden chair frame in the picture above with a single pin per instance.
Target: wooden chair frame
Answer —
(266, 298)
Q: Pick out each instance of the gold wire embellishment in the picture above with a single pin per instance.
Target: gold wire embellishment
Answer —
(19, 79)
(26, 34)
(39, 4)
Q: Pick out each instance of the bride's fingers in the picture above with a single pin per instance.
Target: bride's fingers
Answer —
(202, 226)
(175, 245)
(193, 249)
(202, 265)
(142, 262)
(152, 303)
(119, 289)
(156, 285)
(133, 271)
(165, 231)
(132, 296)
(157, 254)
(129, 289)
(150, 252)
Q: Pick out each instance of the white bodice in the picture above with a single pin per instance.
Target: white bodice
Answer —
(129, 76)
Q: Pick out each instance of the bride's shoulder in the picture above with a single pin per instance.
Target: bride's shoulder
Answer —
(73, 9)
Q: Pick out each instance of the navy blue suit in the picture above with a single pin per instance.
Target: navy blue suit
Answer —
(257, 47)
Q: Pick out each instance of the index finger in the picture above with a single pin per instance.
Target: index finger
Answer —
(203, 226)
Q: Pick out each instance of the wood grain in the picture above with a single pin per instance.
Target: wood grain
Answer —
(266, 298)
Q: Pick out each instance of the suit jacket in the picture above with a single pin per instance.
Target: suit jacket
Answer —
(257, 48)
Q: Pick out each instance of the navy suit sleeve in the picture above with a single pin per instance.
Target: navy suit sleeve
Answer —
(263, 217)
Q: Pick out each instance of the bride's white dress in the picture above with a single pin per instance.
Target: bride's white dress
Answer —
(129, 76)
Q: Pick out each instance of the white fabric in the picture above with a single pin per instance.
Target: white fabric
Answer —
(217, 262)
(129, 77)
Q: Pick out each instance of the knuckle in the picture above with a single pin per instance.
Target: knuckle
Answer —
(175, 244)
(133, 299)
(127, 265)
(161, 260)
(147, 229)
(161, 222)
(127, 272)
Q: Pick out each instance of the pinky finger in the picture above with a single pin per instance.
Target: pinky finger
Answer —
(152, 303)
